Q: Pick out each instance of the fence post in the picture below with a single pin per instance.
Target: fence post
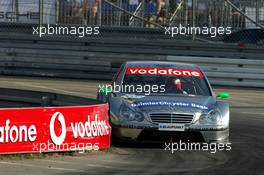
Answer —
(99, 13)
(209, 14)
(57, 11)
(143, 12)
(257, 10)
(17, 10)
(41, 12)
(194, 2)
(186, 13)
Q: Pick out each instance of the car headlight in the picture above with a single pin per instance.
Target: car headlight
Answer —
(213, 117)
(130, 114)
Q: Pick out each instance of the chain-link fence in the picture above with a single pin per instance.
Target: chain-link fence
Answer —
(144, 14)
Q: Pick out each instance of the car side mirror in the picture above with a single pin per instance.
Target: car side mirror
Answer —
(106, 90)
(223, 95)
(103, 94)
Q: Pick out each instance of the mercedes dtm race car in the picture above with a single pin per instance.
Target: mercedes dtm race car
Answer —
(152, 101)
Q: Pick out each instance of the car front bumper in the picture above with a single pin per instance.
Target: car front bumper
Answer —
(151, 133)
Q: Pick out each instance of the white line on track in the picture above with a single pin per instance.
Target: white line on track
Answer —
(44, 167)
(253, 113)
(99, 165)
(49, 88)
(119, 162)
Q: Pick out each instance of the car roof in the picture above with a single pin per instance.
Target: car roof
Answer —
(163, 64)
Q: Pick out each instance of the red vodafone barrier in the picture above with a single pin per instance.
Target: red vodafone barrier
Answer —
(54, 129)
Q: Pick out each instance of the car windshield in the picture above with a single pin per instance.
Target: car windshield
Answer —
(187, 83)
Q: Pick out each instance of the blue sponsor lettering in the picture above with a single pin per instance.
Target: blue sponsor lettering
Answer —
(167, 103)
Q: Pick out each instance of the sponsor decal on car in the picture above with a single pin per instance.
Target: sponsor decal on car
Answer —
(168, 103)
(164, 71)
(132, 96)
(171, 127)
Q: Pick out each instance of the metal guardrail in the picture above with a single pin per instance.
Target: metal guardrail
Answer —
(116, 44)
(99, 58)
(10, 98)
(228, 71)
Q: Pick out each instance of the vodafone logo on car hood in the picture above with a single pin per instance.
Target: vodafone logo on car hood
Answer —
(164, 71)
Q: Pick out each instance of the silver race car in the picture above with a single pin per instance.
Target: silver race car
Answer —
(154, 101)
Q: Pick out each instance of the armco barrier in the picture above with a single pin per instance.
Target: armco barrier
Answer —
(24, 98)
(53, 129)
(228, 71)
(99, 57)
(74, 46)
